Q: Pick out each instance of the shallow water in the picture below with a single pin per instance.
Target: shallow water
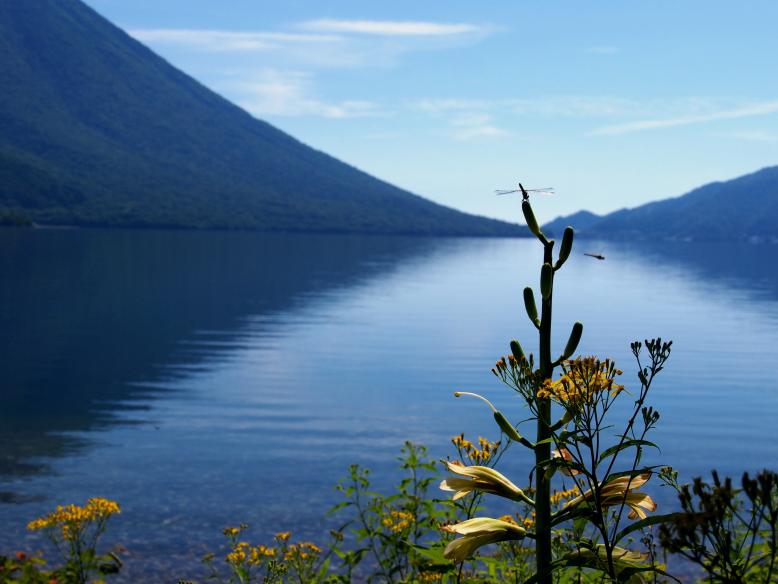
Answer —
(204, 379)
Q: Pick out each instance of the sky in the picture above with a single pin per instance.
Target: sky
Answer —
(613, 104)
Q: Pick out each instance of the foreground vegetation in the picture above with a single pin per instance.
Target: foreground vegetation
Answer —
(585, 515)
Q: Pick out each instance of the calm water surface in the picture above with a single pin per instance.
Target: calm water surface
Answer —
(204, 379)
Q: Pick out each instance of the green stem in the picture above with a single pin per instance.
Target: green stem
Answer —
(543, 446)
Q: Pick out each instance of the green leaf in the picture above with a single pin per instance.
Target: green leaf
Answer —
(624, 445)
(434, 554)
(647, 522)
(626, 573)
(631, 473)
(573, 513)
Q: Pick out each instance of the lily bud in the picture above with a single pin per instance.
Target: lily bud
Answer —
(572, 342)
(566, 247)
(546, 281)
(529, 217)
(506, 426)
(529, 304)
(518, 352)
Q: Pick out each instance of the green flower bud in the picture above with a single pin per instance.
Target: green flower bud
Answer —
(566, 247)
(518, 352)
(546, 280)
(529, 217)
(572, 342)
(529, 304)
(506, 426)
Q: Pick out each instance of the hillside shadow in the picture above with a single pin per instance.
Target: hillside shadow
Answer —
(87, 314)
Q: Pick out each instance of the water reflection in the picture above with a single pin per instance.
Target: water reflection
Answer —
(743, 266)
(85, 315)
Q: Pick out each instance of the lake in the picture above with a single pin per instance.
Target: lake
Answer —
(204, 379)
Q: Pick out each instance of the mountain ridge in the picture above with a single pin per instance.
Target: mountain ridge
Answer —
(744, 208)
(98, 130)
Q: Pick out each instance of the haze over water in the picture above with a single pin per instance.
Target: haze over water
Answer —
(203, 379)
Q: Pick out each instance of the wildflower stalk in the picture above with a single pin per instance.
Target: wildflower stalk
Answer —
(543, 443)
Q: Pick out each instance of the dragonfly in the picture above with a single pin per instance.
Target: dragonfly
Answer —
(525, 192)
(597, 256)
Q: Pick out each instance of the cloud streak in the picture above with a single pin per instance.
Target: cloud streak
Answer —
(755, 109)
(562, 106)
(228, 41)
(472, 126)
(389, 27)
(290, 94)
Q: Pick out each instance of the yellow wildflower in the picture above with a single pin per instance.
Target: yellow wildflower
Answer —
(398, 521)
(301, 551)
(481, 453)
(239, 553)
(583, 380)
(559, 496)
(72, 520)
(259, 553)
(283, 536)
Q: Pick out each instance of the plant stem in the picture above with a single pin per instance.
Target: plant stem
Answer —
(543, 447)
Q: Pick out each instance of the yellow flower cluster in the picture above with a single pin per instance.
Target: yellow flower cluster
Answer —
(429, 577)
(72, 519)
(302, 551)
(283, 536)
(500, 368)
(260, 552)
(559, 496)
(244, 552)
(583, 380)
(527, 522)
(398, 521)
(480, 454)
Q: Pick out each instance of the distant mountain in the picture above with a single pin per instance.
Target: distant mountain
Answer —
(744, 208)
(95, 129)
(580, 220)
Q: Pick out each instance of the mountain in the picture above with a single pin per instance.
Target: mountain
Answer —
(97, 130)
(580, 220)
(742, 209)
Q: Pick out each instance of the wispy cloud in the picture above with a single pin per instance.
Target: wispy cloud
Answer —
(290, 93)
(754, 109)
(390, 27)
(749, 136)
(471, 126)
(225, 41)
(323, 43)
(563, 106)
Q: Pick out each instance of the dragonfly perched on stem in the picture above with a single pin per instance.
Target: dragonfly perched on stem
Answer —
(525, 192)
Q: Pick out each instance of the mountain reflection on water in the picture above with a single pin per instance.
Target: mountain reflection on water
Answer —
(205, 378)
(87, 314)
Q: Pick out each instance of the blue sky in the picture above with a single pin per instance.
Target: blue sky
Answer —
(612, 103)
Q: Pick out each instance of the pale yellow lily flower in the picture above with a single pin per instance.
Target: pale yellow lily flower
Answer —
(613, 493)
(480, 478)
(478, 532)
